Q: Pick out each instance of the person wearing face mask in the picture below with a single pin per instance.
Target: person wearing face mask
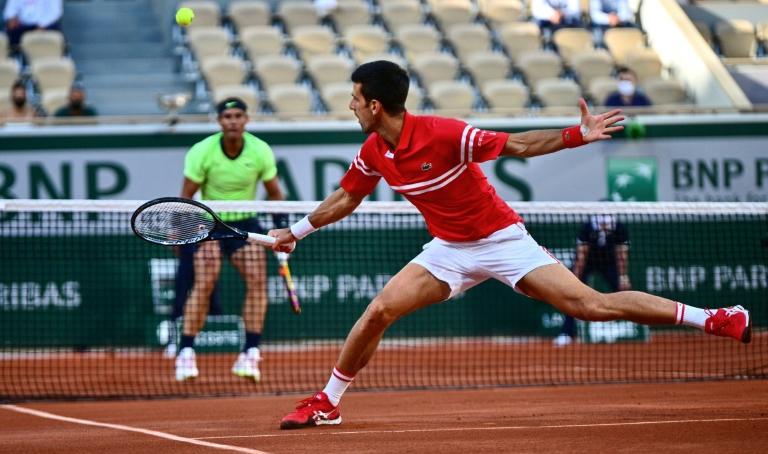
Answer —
(76, 107)
(20, 109)
(627, 94)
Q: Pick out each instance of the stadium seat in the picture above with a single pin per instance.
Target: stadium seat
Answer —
(485, 66)
(326, 69)
(207, 13)
(623, 40)
(312, 40)
(219, 71)
(500, 12)
(52, 73)
(262, 40)
(297, 14)
(600, 87)
(519, 38)
(244, 92)
(336, 97)
(469, 38)
(451, 12)
(553, 92)
(42, 44)
(592, 64)
(399, 13)
(9, 72)
(276, 69)
(645, 63)
(366, 40)
(208, 42)
(454, 96)
(572, 41)
(665, 92)
(435, 66)
(505, 94)
(54, 99)
(539, 64)
(350, 13)
(290, 99)
(417, 39)
(737, 38)
(244, 14)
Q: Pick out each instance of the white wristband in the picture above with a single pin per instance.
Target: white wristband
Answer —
(302, 228)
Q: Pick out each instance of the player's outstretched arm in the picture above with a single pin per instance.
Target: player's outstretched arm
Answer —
(335, 207)
(592, 128)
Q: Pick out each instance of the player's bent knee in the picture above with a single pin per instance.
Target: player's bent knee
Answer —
(380, 313)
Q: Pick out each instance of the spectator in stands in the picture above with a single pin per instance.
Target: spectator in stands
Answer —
(76, 106)
(627, 94)
(21, 109)
(22, 16)
(611, 13)
(554, 14)
(602, 247)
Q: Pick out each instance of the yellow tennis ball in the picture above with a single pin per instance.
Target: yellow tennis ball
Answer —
(184, 16)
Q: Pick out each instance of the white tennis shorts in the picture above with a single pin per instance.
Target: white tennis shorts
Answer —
(506, 255)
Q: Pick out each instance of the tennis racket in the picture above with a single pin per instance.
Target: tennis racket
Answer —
(285, 273)
(173, 221)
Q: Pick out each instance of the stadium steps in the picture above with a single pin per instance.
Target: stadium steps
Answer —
(123, 64)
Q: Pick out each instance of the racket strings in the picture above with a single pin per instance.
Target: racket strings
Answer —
(174, 223)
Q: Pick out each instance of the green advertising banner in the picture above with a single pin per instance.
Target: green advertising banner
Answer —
(94, 289)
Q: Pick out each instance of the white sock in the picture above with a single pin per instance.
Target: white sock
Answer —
(690, 316)
(337, 384)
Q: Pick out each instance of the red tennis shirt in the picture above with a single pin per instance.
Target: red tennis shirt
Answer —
(435, 167)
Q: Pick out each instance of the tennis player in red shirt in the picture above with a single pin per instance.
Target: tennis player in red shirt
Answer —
(433, 162)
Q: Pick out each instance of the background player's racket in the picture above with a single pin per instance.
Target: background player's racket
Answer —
(285, 273)
(173, 221)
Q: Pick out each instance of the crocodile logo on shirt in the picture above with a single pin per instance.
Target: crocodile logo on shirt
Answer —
(426, 166)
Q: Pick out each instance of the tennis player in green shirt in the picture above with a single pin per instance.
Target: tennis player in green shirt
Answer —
(229, 166)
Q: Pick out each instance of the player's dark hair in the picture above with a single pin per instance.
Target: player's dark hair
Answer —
(18, 84)
(385, 82)
(231, 103)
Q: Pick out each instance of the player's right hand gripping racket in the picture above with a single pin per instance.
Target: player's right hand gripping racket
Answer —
(285, 273)
(174, 221)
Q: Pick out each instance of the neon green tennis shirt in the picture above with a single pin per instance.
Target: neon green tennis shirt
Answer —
(223, 178)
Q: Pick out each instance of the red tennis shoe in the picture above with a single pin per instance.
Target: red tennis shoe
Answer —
(314, 411)
(731, 321)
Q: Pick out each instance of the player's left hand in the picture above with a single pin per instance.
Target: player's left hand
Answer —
(598, 127)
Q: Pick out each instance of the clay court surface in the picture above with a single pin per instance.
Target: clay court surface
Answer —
(720, 416)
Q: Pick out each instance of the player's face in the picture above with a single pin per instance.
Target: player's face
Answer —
(362, 109)
(232, 122)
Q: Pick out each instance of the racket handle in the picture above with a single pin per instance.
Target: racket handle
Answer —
(264, 240)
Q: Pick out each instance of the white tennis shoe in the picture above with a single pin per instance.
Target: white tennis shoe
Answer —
(247, 364)
(186, 365)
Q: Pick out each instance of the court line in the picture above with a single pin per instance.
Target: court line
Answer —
(154, 433)
(463, 429)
